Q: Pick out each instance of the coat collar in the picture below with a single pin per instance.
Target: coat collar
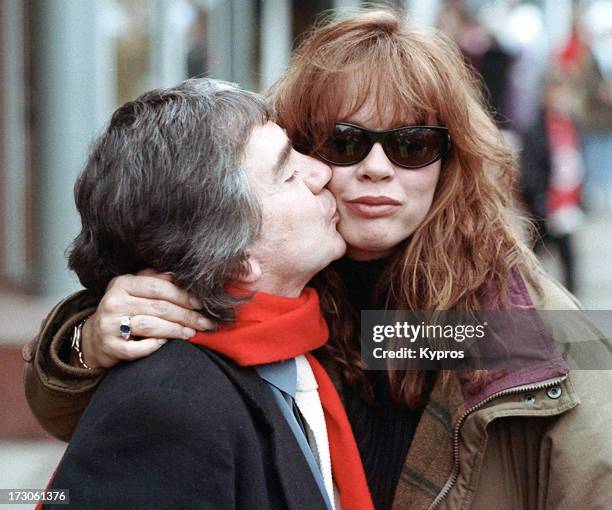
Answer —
(282, 375)
(540, 346)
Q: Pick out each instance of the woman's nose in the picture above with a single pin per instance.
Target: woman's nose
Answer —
(376, 166)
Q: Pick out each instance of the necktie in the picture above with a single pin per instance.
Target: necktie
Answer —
(300, 419)
(309, 406)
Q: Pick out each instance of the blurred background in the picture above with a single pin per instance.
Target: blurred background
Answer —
(65, 65)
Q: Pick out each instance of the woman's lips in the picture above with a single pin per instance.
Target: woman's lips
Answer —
(373, 207)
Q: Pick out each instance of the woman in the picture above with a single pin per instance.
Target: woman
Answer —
(428, 225)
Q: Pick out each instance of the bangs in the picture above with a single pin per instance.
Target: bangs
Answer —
(381, 91)
(392, 76)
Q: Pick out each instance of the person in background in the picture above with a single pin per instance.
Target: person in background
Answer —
(483, 51)
(423, 184)
(552, 173)
(596, 119)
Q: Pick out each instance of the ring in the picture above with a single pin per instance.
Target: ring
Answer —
(125, 329)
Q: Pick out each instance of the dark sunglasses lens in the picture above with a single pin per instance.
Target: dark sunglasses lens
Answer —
(415, 148)
(346, 145)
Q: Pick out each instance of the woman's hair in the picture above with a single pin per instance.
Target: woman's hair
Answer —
(467, 245)
(164, 188)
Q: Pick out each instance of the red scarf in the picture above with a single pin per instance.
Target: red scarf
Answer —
(566, 176)
(273, 328)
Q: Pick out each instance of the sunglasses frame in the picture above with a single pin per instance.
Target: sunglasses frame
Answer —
(380, 137)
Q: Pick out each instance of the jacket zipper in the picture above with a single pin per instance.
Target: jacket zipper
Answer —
(453, 477)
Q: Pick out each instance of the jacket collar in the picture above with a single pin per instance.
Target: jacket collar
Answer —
(282, 375)
(551, 365)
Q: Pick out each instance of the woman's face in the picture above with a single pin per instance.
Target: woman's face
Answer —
(380, 204)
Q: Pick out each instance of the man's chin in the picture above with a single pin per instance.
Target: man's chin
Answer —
(336, 251)
(341, 249)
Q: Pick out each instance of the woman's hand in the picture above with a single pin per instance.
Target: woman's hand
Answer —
(158, 310)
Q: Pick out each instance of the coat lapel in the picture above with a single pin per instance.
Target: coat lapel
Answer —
(299, 487)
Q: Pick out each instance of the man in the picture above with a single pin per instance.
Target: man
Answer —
(196, 180)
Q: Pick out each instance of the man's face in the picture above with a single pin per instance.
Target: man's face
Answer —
(299, 236)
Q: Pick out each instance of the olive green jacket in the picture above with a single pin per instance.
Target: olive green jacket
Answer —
(540, 441)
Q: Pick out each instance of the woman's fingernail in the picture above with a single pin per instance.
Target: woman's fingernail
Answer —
(188, 332)
(162, 341)
(203, 324)
(195, 303)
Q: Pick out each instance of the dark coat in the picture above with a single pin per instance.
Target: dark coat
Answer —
(185, 428)
(536, 170)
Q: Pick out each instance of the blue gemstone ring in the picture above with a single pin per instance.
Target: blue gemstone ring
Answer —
(125, 329)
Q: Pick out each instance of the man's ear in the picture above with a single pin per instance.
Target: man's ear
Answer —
(252, 271)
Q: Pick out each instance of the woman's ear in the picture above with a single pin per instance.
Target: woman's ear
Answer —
(252, 271)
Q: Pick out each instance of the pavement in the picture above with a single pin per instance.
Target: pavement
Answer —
(593, 246)
(28, 465)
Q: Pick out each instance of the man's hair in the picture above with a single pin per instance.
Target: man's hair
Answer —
(164, 188)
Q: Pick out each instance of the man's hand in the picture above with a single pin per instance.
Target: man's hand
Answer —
(158, 310)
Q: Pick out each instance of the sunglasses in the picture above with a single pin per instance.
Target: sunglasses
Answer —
(407, 146)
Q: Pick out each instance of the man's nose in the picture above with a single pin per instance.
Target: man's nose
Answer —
(317, 174)
(376, 166)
